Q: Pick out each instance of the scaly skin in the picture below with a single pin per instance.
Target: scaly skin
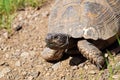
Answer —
(91, 52)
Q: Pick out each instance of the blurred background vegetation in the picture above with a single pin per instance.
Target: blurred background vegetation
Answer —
(9, 7)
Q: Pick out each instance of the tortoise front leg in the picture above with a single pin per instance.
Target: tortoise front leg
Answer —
(91, 52)
(52, 55)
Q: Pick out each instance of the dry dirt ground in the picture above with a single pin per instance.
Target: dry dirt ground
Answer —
(20, 53)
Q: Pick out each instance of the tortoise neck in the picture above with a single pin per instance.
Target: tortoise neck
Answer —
(72, 42)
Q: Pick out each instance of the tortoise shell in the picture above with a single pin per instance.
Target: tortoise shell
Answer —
(91, 19)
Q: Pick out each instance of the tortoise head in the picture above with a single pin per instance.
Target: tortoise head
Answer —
(57, 40)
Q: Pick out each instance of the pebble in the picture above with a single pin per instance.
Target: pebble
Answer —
(106, 55)
(56, 66)
(116, 77)
(75, 67)
(48, 74)
(17, 53)
(35, 74)
(24, 55)
(86, 67)
(29, 16)
(5, 35)
(29, 54)
(5, 48)
(17, 63)
(4, 71)
(32, 54)
(36, 15)
(81, 65)
(92, 72)
(117, 64)
(7, 55)
(45, 14)
(20, 18)
(1, 74)
(30, 78)
(41, 21)
(23, 73)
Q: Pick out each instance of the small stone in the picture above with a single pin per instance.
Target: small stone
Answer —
(35, 74)
(48, 74)
(4, 71)
(7, 56)
(29, 16)
(20, 18)
(117, 64)
(92, 72)
(116, 77)
(17, 53)
(106, 55)
(41, 21)
(1, 75)
(81, 65)
(5, 49)
(75, 67)
(17, 63)
(56, 66)
(23, 72)
(30, 78)
(86, 67)
(25, 55)
(32, 54)
(45, 14)
(5, 34)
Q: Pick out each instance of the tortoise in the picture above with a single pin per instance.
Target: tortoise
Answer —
(89, 25)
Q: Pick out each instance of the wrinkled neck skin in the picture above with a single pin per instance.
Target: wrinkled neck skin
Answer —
(72, 42)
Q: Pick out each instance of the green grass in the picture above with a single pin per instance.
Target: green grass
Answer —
(113, 68)
(109, 66)
(9, 7)
(118, 39)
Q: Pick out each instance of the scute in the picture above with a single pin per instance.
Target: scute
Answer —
(91, 19)
(67, 18)
(115, 4)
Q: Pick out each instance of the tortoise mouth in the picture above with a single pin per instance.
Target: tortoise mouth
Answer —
(57, 41)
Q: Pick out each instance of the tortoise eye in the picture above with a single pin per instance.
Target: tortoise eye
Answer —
(57, 37)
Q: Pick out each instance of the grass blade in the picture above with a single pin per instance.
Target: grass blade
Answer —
(6, 4)
(118, 39)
